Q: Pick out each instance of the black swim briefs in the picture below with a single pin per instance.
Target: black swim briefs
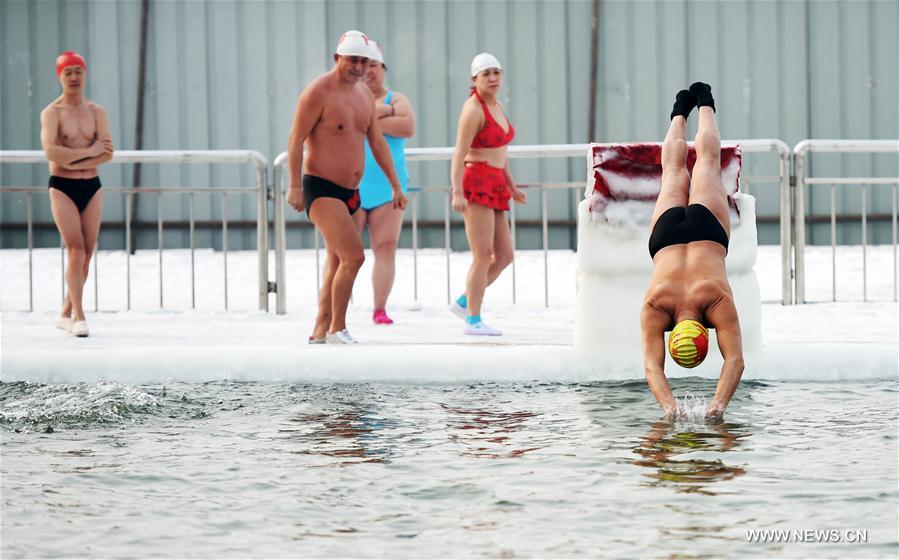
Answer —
(81, 191)
(682, 225)
(316, 187)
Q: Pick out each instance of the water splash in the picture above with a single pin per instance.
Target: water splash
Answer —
(691, 408)
(25, 405)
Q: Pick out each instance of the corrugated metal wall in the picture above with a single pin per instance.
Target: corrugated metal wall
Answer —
(226, 74)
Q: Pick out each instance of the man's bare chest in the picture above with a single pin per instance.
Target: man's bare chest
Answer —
(77, 126)
(346, 115)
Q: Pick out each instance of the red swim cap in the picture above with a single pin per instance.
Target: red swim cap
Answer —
(69, 58)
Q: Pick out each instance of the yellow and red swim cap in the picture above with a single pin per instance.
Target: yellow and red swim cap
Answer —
(69, 58)
(688, 343)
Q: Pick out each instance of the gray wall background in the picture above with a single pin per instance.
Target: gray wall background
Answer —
(226, 75)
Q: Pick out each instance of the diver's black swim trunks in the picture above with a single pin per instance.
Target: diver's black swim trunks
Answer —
(316, 187)
(682, 225)
(81, 191)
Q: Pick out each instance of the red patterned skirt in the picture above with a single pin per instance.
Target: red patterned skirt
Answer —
(485, 185)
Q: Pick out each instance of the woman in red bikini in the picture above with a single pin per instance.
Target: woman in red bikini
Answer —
(482, 186)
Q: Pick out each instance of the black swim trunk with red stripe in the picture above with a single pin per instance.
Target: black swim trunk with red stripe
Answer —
(316, 187)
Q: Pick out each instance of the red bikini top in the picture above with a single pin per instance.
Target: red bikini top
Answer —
(492, 134)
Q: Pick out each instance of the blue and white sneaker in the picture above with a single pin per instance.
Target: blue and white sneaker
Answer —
(482, 329)
(340, 337)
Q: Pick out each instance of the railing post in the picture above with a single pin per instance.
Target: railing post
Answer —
(193, 267)
(833, 242)
(786, 223)
(29, 213)
(159, 242)
(415, 247)
(864, 242)
(446, 234)
(799, 221)
(545, 225)
(514, 251)
(895, 264)
(262, 231)
(280, 239)
(128, 203)
(97, 274)
(225, 244)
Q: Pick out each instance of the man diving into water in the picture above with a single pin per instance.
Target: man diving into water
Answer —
(690, 229)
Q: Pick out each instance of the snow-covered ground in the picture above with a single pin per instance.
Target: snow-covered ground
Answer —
(849, 339)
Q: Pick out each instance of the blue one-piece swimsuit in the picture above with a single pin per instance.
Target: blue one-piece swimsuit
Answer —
(375, 188)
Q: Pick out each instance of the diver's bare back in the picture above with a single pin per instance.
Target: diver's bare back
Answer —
(335, 148)
(689, 278)
(77, 129)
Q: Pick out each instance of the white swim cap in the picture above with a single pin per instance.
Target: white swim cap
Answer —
(482, 62)
(353, 43)
(375, 52)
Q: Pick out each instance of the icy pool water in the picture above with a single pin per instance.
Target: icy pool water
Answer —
(238, 469)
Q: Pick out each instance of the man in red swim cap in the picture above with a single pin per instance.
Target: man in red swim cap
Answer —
(75, 136)
(334, 115)
(690, 234)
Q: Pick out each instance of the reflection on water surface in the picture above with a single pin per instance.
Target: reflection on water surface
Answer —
(668, 449)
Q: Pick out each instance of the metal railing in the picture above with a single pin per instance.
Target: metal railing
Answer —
(792, 207)
(431, 154)
(782, 179)
(801, 180)
(165, 156)
(518, 152)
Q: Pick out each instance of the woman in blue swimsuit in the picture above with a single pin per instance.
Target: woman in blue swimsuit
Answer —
(397, 120)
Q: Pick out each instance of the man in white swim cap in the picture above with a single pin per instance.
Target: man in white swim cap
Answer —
(333, 117)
